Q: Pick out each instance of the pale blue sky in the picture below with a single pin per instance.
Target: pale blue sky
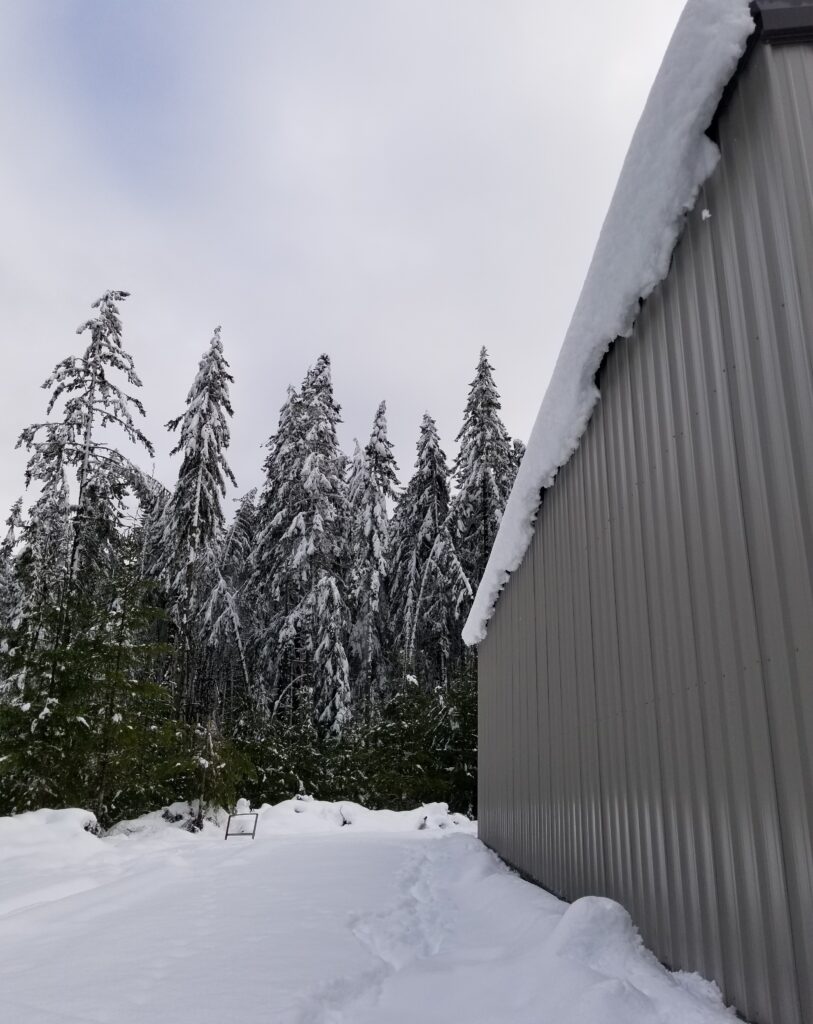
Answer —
(395, 182)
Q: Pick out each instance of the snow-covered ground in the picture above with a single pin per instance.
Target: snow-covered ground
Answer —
(314, 922)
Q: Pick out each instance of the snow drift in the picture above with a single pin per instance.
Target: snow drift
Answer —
(669, 159)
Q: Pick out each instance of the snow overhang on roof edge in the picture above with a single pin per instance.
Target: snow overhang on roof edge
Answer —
(669, 159)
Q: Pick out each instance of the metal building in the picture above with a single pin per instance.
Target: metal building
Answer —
(646, 685)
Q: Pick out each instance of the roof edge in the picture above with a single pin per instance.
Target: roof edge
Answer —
(784, 21)
(718, 36)
(669, 158)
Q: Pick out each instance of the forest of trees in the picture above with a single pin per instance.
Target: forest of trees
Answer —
(154, 648)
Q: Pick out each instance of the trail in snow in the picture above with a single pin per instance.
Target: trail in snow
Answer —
(311, 923)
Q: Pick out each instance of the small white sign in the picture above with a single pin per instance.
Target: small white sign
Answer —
(238, 825)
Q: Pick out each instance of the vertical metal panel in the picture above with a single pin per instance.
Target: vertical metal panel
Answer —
(646, 686)
(544, 753)
(619, 861)
(586, 682)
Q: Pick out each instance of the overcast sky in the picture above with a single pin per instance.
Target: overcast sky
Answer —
(394, 182)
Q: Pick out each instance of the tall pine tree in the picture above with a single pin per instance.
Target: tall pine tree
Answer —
(93, 401)
(69, 550)
(40, 564)
(484, 472)
(372, 485)
(275, 585)
(429, 583)
(192, 520)
(322, 551)
(70, 654)
(226, 618)
(300, 563)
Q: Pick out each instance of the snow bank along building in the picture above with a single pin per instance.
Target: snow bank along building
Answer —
(645, 623)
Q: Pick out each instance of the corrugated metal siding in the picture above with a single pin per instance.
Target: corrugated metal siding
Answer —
(647, 681)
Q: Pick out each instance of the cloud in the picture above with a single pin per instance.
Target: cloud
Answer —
(396, 183)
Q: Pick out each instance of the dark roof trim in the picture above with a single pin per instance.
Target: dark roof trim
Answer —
(777, 22)
(784, 21)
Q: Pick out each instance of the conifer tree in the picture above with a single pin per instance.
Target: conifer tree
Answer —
(372, 484)
(40, 568)
(93, 401)
(484, 472)
(331, 672)
(429, 583)
(224, 612)
(240, 539)
(519, 453)
(301, 558)
(193, 516)
(323, 542)
(275, 585)
(153, 498)
(357, 478)
(380, 459)
(321, 554)
(84, 724)
(68, 550)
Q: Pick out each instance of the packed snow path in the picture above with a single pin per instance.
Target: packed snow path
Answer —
(330, 927)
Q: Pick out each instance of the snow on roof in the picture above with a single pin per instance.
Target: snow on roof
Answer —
(669, 159)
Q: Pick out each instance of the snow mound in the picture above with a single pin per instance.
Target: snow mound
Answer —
(304, 814)
(669, 159)
(301, 815)
(179, 815)
(35, 827)
(597, 932)
(41, 853)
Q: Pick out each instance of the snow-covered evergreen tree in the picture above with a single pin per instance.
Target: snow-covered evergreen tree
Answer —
(93, 401)
(225, 615)
(73, 648)
(331, 672)
(240, 539)
(301, 558)
(153, 498)
(380, 459)
(323, 540)
(275, 585)
(484, 472)
(445, 591)
(192, 519)
(357, 478)
(429, 583)
(321, 554)
(40, 570)
(519, 453)
(372, 483)
(83, 723)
